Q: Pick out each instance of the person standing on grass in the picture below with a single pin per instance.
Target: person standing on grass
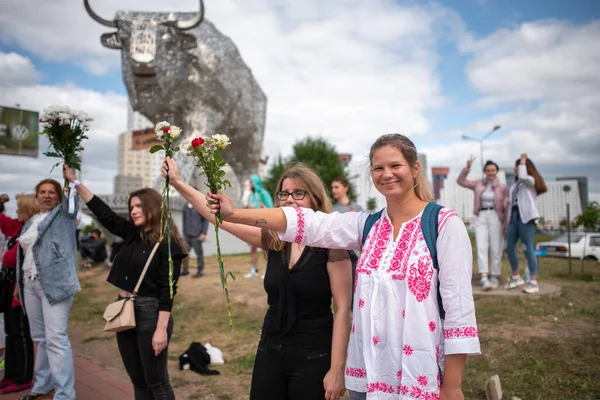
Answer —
(302, 350)
(47, 276)
(144, 349)
(490, 195)
(18, 372)
(520, 221)
(414, 314)
(258, 198)
(195, 227)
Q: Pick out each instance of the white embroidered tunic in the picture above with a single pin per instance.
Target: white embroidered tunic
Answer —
(398, 339)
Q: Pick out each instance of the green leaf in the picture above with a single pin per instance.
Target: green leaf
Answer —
(226, 182)
(176, 149)
(220, 174)
(155, 148)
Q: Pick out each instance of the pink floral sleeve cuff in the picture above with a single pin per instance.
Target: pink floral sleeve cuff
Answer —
(462, 340)
(295, 225)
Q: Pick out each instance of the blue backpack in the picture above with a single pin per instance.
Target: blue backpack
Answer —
(429, 225)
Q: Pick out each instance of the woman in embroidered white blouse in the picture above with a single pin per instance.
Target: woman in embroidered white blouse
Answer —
(401, 347)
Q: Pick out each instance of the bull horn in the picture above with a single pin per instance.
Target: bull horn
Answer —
(105, 22)
(194, 22)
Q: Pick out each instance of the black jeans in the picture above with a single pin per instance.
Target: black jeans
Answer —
(288, 373)
(19, 346)
(147, 372)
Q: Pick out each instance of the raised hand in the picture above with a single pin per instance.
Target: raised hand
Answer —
(169, 168)
(69, 173)
(470, 161)
(220, 202)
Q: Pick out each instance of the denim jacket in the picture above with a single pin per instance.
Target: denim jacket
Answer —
(55, 254)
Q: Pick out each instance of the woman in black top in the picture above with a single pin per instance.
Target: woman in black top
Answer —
(144, 349)
(302, 351)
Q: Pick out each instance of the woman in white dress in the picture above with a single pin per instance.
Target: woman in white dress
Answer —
(413, 327)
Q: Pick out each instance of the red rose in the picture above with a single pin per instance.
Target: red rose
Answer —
(166, 129)
(197, 142)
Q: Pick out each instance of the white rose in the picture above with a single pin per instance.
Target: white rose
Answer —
(221, 141)
(174, 132)
(161, 125)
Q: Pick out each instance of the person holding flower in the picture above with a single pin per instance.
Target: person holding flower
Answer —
(144, 349)
(18, 372)
(414, 314)
(302, 349)
(47, 276)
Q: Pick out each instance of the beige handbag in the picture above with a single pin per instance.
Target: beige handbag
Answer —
(120, 315)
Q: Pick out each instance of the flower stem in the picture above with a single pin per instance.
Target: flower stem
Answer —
(222, 272)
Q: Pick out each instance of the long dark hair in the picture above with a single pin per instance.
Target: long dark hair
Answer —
(151, 201)
(540, 185)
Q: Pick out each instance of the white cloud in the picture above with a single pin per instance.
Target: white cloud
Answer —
(16, 70)
(20, 174)
(545, 77)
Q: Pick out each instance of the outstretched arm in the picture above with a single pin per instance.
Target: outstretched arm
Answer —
(249, 234)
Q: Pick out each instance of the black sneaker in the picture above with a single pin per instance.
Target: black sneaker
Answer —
(184, 273)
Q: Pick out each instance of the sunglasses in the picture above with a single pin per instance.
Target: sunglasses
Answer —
(296, 195)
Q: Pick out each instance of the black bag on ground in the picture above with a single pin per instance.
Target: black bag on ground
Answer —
(197, 358)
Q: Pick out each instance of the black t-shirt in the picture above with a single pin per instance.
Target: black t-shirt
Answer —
(133, 254)
(300, 297)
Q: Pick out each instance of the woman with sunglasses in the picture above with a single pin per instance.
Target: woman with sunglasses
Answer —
(302, 351)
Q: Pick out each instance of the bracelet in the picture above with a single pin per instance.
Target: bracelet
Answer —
(73, 184)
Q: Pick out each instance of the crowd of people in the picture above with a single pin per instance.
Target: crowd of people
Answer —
(379, 304)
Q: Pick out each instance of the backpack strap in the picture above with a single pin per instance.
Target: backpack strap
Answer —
(371, 219)
(429, 225)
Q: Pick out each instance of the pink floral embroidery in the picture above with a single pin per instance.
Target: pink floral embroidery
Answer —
(361, 303)
(404, 389)
(462, 332)
(437, 354)
(406, 245)
(439, 381)
(444, 217)
(380, 387)
(431, 326)
(353, 328)
(375, 340)
(356, 372)
(374, 252)
(300, 233)
(403, 313)
(408, 350)
(422, 379)
(416, 392)
(399, 374)
(419, 279)
(431, 396)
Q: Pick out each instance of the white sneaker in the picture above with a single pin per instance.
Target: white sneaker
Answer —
(515, 283)
(494, 283)
(531, 288)
(486, 285)
(251, 275)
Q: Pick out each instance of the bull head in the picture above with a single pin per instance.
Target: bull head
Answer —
(142, 42)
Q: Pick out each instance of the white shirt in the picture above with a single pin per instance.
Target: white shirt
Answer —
(487, 196)
(398, 340)
(26, 241)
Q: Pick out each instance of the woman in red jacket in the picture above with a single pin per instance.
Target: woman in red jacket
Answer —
(18, 372)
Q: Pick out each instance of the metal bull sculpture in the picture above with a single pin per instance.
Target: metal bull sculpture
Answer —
(180, 68)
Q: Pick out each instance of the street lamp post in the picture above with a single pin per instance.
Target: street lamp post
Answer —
(465, 137)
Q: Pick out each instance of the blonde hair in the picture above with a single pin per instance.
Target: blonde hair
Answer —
(309, 181)
(409, 152)
(27, 207)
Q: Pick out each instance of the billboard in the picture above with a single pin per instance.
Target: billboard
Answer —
(144, 139)
(19, 132)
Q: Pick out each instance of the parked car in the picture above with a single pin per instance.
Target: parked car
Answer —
(584, 245)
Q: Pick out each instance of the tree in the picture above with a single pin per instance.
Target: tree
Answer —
(590, 219)
(316, 153)
(371, 204)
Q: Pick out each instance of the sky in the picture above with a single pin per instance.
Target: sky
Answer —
(345, 70)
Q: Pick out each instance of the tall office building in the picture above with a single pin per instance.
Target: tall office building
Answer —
(438, 176)
(552, 205)
(136, 163)
(582, 184)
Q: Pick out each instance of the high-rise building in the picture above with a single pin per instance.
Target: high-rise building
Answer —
(552, 205)
(582, 184)
(134, 163)
(136, 120)
(438, 176)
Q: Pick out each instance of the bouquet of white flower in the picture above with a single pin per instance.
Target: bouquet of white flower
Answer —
(207, 153)
(168, 134)
(65, 129)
